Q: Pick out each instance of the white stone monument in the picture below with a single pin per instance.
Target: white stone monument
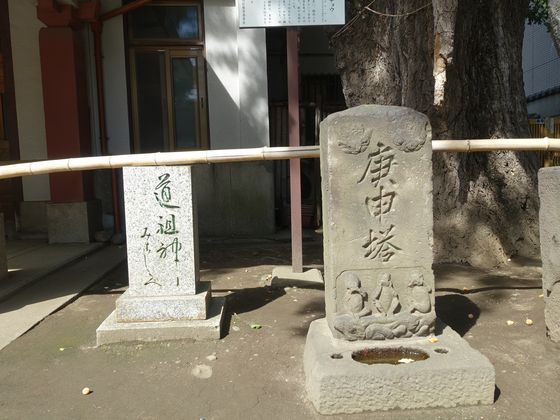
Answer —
(380, 346)
(165, 299)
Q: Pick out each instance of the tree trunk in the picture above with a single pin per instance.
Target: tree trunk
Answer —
(554, 22)
(459, 63)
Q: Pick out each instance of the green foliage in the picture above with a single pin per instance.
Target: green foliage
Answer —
(538, 12)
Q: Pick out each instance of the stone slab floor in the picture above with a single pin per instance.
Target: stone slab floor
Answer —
(257, 372)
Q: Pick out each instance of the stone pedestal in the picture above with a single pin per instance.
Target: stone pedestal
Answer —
(549, 222)
(453, 374)
(162, 247)
(376, 166)
(73, 222)
(3, 257)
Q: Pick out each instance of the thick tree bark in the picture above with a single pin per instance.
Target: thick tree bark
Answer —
(458, 62)
(554, 21)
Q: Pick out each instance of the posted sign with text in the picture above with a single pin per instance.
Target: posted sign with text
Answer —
(269, 13)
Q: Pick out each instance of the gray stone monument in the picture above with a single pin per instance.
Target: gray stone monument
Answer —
(165, 299)
(381, 346)
(549, 222)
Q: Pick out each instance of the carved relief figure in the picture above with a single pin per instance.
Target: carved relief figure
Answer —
(355, 298)
(385, 298)
(354, 142)
(420, 294)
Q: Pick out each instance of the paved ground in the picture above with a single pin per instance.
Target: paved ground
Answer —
(23, 309)
(258, 372)
(30, 260)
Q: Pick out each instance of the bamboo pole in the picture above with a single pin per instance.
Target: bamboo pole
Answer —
(492, 145)
(158, 159)
(246, 155)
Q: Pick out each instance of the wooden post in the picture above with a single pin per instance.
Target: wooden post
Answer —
(295, 167)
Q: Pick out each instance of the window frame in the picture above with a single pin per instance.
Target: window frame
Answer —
(172, 48)
(168, 41)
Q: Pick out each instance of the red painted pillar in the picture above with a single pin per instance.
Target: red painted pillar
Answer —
(65, 98)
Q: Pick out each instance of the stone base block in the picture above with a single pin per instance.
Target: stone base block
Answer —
(111, 331)
(163, 308)
(283, 276)
(73, 222)
(454, 374)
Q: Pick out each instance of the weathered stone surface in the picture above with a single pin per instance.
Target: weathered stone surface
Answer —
(453, 375)
(165, 300)
(111, 331)
(73, 222)
(3, 257)
(549, 222)
(376, 165)
(161, 231)
(163, 308)
(283, 276)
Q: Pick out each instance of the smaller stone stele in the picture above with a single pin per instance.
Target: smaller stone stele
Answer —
(376, 170)
(549, 222)
(165, 299)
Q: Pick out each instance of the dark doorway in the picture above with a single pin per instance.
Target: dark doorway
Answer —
(320, 95)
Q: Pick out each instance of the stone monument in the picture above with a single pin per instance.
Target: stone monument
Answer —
(549, 222)
(376, 165)
(165, 299)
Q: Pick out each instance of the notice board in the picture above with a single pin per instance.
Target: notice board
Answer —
(271, 13)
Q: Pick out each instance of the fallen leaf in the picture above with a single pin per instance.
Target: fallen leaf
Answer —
(433, 339)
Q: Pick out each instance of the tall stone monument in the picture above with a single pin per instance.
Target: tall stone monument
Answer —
(165, 299)
(549, 222)
(376, 165)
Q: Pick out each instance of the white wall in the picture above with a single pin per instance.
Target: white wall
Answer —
(116, 95)
(237, 79)
(233, 199)
(24, 32)
(237, 198)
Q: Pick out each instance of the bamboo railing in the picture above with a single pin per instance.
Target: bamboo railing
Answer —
(246, 155)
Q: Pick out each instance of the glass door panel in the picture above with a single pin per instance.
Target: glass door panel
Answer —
(151, 101)
(185, 102)
(162, 22)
